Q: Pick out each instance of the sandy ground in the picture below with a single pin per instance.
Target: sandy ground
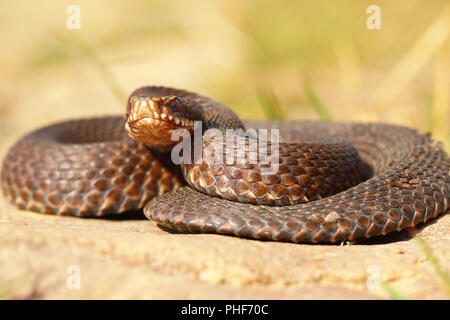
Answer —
(133, 258)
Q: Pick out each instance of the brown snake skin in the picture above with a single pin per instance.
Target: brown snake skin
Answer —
(387, 178)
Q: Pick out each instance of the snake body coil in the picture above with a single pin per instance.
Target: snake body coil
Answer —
(90, 167)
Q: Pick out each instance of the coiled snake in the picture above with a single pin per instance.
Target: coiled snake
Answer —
(334, 181)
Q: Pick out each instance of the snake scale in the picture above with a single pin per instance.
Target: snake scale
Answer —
(334, 182)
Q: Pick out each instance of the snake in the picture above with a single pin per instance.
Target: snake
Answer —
(319, 182)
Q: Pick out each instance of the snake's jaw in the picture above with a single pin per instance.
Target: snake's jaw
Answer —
(152, 120)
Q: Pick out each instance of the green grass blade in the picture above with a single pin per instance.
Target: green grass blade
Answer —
(87, 51)
(443, 274)
(316, 103)
(393, 294)
(8, 287)
(270, 105)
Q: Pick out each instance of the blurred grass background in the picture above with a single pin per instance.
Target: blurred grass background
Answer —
(264, 59)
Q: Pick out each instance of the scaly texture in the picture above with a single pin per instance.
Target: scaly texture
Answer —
(64, 169)
(89, 167)
(410, 185)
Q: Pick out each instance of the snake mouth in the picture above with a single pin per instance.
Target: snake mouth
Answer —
(152, 120)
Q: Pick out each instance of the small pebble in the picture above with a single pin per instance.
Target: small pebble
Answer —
(399, 250)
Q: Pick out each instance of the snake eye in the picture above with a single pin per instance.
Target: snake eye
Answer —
(175, 105)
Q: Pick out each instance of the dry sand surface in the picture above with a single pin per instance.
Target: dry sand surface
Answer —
(133, 258)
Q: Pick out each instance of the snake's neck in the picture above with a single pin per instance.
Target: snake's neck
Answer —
(159, 118)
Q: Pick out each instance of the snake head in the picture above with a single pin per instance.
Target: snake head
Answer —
(152, 120)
